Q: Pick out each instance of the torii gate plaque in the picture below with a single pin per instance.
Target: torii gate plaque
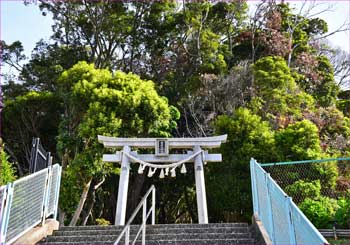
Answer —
(169, 162)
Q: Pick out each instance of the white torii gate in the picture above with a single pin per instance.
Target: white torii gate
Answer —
(170, 162)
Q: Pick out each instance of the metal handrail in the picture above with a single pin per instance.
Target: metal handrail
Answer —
(145, 215)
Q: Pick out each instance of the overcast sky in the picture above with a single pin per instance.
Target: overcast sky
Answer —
(26, 23)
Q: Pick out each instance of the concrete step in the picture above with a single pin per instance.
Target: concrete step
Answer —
(112, 227)
(217, 233)
(179, 236)
(202, 241)
(153, 230)
(192, 241)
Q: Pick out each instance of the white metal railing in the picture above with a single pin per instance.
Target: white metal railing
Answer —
(27, 202)
(145, 215)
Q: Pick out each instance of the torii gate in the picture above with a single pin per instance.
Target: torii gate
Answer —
(170, 162)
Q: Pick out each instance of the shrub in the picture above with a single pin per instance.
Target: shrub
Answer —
(302, 189)
(320, 211)
(342, 215)
(7, 171)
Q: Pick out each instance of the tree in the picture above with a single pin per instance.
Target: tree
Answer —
(340, 61)
(300, 141)
(12, 54)
(33, 114)
(320, 211)
(317, 78)
(99, 103)
(47, 63)
(32, 106)
(248, 136)
(277, 94)
(7, 170)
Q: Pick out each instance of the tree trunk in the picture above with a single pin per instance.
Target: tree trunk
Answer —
(82, 200)
(92, 200)
(65, 160)
(89, 203)
(61, 216)
(85, 218)
(136, 189)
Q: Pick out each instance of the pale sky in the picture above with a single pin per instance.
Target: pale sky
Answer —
(335, 17)
(26, 23)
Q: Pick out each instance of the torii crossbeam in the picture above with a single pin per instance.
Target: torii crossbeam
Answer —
(170, 162)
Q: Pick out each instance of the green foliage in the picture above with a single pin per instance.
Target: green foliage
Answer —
(71, 187)
(320, 211)
(121, 104)
(276, 88)
(342, 215)
(176, 45)
(304, 29)
(248, 136)
(344, 106)
(299, 141)
(33, 114)
(326, 90)
(47, 63)
(304, 189)
(102, 222)
(99, 103)
(12, 54)
(7, 170)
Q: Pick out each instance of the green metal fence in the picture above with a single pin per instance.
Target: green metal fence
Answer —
(321, 188)
(282, 219)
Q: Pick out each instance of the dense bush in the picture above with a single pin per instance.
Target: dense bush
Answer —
(303, 189)
(248, 136)
(7, 171)
(323, 211)
(320, 211)
(299, 141)
(342, 215)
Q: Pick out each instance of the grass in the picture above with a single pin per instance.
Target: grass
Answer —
(339, 241)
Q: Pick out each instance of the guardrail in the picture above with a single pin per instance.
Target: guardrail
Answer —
(145, 215)
(335, 233)
(282, 219)
(27, 202)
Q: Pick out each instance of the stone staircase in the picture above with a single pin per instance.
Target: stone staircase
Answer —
(229, 233)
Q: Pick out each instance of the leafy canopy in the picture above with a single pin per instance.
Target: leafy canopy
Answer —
(101, 103)
(276, 89)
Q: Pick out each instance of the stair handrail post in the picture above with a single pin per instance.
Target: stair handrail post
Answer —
(127, 235)
(153, 206)
(144, 218)
(254, 190)
(269, 203)
(45, 202)
(6, 212)
(126, 229)
(57, 192)
(291, 228)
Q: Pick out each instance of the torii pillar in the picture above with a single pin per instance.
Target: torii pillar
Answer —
(162, 146)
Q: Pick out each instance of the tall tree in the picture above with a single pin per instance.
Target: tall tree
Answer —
(99, 103)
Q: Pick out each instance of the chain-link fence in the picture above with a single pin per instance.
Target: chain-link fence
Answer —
(321, 188)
